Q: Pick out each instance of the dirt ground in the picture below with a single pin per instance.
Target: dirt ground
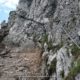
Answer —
(23, 65)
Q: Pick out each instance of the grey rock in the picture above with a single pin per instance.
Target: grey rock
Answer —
(11, 19)
(77, 77)
(3, 32)
(45, 47)
(51, 57)
(21, 13)
(64, 60)
(59, 19)
(0, 26)
(4, 24)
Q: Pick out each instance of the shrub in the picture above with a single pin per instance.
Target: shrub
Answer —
(52, 67)
(45, 39)
(62, 74)
(74, 71)
(75, 51)
(50, 43)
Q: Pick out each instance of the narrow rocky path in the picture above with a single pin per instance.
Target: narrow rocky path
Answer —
(21, 65)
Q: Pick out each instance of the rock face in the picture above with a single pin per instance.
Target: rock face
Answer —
(31, 16)
(53, 26)
(77, 77)
(64, 60)
(11, 19)
(3, 30)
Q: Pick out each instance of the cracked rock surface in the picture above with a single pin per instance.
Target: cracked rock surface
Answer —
(41, 41)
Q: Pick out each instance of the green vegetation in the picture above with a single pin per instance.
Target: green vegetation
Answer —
(75, 51)
(62, 74)
(45, 39)
(50, 43)
(74, 71)
(76, 65)
(52, 67)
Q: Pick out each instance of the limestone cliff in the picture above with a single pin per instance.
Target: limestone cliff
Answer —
(43, 41)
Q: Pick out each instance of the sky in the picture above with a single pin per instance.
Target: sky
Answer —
(5, 7)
